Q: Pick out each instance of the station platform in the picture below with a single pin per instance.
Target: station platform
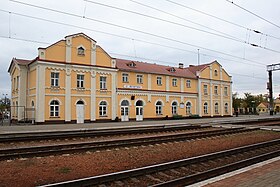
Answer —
(220, 122)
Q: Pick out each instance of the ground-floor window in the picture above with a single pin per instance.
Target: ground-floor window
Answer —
(205, 108)
(174, 108)
(54, 108)
(188, 108)
(103, 108)
(159, 108)
(226, 108)
(216, 108)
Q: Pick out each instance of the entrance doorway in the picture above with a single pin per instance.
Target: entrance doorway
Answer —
(139, 110)
(124, 110)
(80, 111)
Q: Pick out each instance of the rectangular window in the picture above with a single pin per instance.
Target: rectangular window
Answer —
(54, 79)
(216, 90)
(80, 81)
(188, 83)
(174, 82)
(205, 89)
(124, 77)
(139, 79)
(159, 81)
(17, 82)
(226, 91)
(103, 83)
(14, 86)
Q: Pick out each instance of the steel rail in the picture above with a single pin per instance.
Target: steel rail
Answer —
(12, 153)
(97, 180)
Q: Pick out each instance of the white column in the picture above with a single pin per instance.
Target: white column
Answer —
(222, 99)
(114, 95)
(149, 81)
(167, 87)
(93, 96)
(93, 53)
(68, 49)
(199, 106)
(182, 85)
(211, 93)
(68, 94)
(22, 92)
(230, 99)
(40, 94)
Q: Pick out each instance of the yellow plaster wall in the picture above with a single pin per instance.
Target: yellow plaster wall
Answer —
(154, 82)
(81, 59)
(102, 58)
(205, 73)
(216, 66)
(226, 77)
(56, 52)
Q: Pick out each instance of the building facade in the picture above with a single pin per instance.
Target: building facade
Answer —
(75, 81)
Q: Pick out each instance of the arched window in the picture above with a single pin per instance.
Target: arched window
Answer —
(32, 104)
(226, 108)
(159, 108)
(216, 72)
(205, 108)
(103, 108)
(174, 107)
(54, 108)
(139, 103)
(216, 108)
(188, 108)
(125, 103)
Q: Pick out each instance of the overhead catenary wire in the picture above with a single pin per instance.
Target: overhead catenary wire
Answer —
(118, 54)
(255, 63)
(221, 19)
(135, 30)
(260, 17)
(186, 26)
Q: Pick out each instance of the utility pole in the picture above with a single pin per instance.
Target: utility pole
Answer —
(270, 68)
(198, 57)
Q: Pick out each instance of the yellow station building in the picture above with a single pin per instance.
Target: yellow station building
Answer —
(76, 81)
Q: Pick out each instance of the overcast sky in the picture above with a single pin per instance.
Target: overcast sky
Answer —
(159, 31)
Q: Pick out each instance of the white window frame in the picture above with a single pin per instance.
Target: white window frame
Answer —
(174, 108)
(54, 108)
(174, 82)
(159, 81)
(125, 77)
(103, 108)
(205, 89)
(188, 83)
(216, 108)
(81, 51)
(216, 90)
(139, 79)
(226, 91)
(54, 79)
(205, 108)
(103, 82)
(158, 108)
(80, 81)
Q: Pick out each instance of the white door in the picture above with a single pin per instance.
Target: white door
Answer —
(139, 113)
(80, 113)
(124, 113)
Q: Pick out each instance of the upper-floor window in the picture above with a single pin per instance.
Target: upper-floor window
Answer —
(159, 81)
(54, 79)
(80, 81)
(216, 90)
(205, 89)
(216, 72)
(139, 79)
(131, 64)
(188, 83)
(226, 91)
(172, 69)
(174, 82)
(125, 77)
(103, 82)
(81, 51)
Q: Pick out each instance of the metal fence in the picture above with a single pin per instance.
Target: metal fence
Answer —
(17, 115)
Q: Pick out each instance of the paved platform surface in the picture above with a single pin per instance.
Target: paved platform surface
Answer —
(265, 174)
(4, 129)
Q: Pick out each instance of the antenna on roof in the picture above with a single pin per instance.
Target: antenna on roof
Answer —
(198, 57)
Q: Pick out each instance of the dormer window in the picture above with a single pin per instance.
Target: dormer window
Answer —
(131, 64)
(172, 69)
(81, 51)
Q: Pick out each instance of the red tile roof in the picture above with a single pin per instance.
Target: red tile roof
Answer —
(154, 68)
(19, 62)
(194, 69)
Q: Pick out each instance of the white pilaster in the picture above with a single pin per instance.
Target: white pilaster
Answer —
(222, 99)
(114, 95)
(149, 81)
(68, 49)
(167, 83)
(199, 106)
(68, 94)
(93, 53)
(230, 99)
(22, 92)
(93, 96)
(182, 85)
(211, 93)
(40, 94)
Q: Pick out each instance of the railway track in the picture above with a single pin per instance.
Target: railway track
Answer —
(12, 153)
(184, 172)
(37, 136)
